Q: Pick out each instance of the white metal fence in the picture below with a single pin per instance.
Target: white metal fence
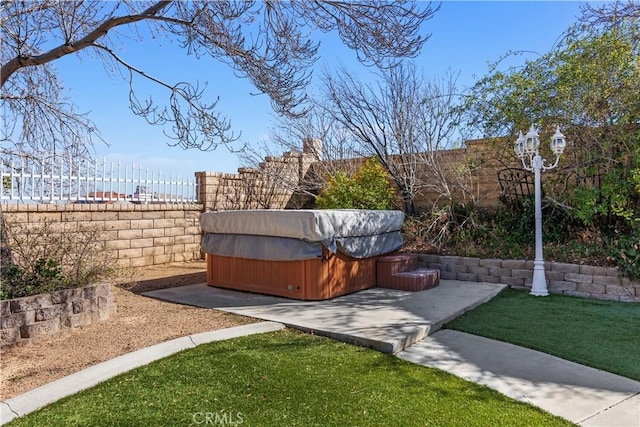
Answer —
(51, 179)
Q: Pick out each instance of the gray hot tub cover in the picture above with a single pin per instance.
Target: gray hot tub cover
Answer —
(296, 235)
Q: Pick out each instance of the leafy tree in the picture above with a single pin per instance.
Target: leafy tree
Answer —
(589, 84)
(369, 188)
(267, 42)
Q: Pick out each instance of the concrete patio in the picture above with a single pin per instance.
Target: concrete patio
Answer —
(384, 319)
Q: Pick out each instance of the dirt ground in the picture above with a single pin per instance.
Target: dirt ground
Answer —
(138, 323)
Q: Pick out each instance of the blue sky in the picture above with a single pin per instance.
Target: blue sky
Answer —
(466, 36)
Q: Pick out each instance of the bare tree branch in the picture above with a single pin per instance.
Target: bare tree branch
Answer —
(267, 42)
(26, 60)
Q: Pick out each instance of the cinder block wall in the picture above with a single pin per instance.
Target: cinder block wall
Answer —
(140, 235)
(569, 279)
(270, 185)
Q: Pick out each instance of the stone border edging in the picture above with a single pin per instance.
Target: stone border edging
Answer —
(577, 280)
(44, 395)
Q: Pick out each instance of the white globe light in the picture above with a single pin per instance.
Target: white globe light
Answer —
(519, 146)
(558, 142)
(532, 141)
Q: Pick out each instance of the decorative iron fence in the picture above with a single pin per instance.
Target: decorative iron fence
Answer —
(52, 179)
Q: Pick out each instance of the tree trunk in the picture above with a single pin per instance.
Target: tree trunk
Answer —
(407, 203)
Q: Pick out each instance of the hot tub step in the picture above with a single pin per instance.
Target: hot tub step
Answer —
(389, 265)
(413, 281)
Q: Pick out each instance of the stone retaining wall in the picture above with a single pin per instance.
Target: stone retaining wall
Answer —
(30, 319)
(562, 278)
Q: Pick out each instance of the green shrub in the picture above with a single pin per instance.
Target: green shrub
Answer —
(613, 208)
(46, 276)
(615, 204)
(339, 193)
(626, 252)
(369, 188)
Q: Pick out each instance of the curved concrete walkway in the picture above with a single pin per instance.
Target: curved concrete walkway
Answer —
(71, 384)
(578, 393)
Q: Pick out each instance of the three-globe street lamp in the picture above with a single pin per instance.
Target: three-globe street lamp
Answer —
(526, 148)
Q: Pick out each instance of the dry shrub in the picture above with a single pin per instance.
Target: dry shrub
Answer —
(51, 256)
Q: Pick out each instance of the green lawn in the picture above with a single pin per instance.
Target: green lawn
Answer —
(287, 378)
(601, 334)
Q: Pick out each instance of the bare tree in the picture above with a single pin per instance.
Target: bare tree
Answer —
(322, 146)
(403, 120)
(267, 42)
(337, 142)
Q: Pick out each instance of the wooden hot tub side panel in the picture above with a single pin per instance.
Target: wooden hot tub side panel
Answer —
(313, 279)
(265, 277)
(343, 275)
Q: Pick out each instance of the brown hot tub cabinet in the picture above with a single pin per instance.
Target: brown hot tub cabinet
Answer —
(306, 255)
(309, 279)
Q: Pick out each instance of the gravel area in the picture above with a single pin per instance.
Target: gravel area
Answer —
(139, 322)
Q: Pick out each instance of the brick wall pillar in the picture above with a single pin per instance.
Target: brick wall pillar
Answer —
(212, 187)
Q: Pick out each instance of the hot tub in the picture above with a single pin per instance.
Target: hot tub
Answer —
(304, 254)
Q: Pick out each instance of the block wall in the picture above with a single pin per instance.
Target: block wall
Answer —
(458, 175)
(139, 235)
(562, 278)
(272, 184)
